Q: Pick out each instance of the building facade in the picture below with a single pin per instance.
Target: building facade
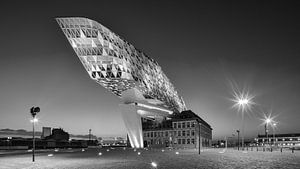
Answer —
(183, 132)
(282, 140)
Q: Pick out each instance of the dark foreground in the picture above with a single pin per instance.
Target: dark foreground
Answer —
(129, 158)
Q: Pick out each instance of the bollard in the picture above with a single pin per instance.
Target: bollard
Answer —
(263, 149)
(256, 148)
(281, 149)
(271, 149)
(293, 150)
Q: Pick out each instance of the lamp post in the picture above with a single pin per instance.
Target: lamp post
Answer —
(243, 102)
(267, 121)
(33, 112)
(274, 125)
(238, 131)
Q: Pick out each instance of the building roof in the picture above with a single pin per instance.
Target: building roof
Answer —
(189, 115)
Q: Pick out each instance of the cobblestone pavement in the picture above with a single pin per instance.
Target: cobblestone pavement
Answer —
(119, 158)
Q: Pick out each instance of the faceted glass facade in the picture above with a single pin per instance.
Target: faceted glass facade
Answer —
(116, 64)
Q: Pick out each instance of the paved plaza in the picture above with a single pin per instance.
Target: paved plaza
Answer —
(118, 158)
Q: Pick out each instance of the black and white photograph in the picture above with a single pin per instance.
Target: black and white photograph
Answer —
(150, 84)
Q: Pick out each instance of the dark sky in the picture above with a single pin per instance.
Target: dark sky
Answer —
(202, 47)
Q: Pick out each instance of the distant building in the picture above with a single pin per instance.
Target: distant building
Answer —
(58, 134)
(282, 140)
(113, 141)
(46, 132)
(182, 130)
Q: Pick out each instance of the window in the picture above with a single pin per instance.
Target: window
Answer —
(183, 141)
(188, 141)
(193, 132)
(179, 133)
(188, 124)
(193, 124)
(145, 134)
(151, 135)
(183, 124)
(179, 141)
(174, 125)
(179, 125)
(188, 133)
(148, 134)
(154, 134)
(166, 134)
(193, 141)
(183, 133)
(175, 133)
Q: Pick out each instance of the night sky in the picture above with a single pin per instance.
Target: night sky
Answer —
(202, 47)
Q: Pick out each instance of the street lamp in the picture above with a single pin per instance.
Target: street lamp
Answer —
(243, 102)
(274, 126)
(267, 121)
(238, 131)
(33, 112)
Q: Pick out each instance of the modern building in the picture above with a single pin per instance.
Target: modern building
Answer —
(282, 140)
(130, 74)
(181, 130)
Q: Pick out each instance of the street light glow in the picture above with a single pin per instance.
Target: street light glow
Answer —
(268, 120)
(34, 120)
(242, 100)
(153, 164)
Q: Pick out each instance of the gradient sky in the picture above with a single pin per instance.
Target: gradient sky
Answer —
(202, 47)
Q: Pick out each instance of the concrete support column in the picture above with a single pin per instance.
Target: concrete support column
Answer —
(133, 123)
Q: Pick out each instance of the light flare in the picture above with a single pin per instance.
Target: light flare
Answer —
(242, 99)
(34, 120)
(269, 119)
